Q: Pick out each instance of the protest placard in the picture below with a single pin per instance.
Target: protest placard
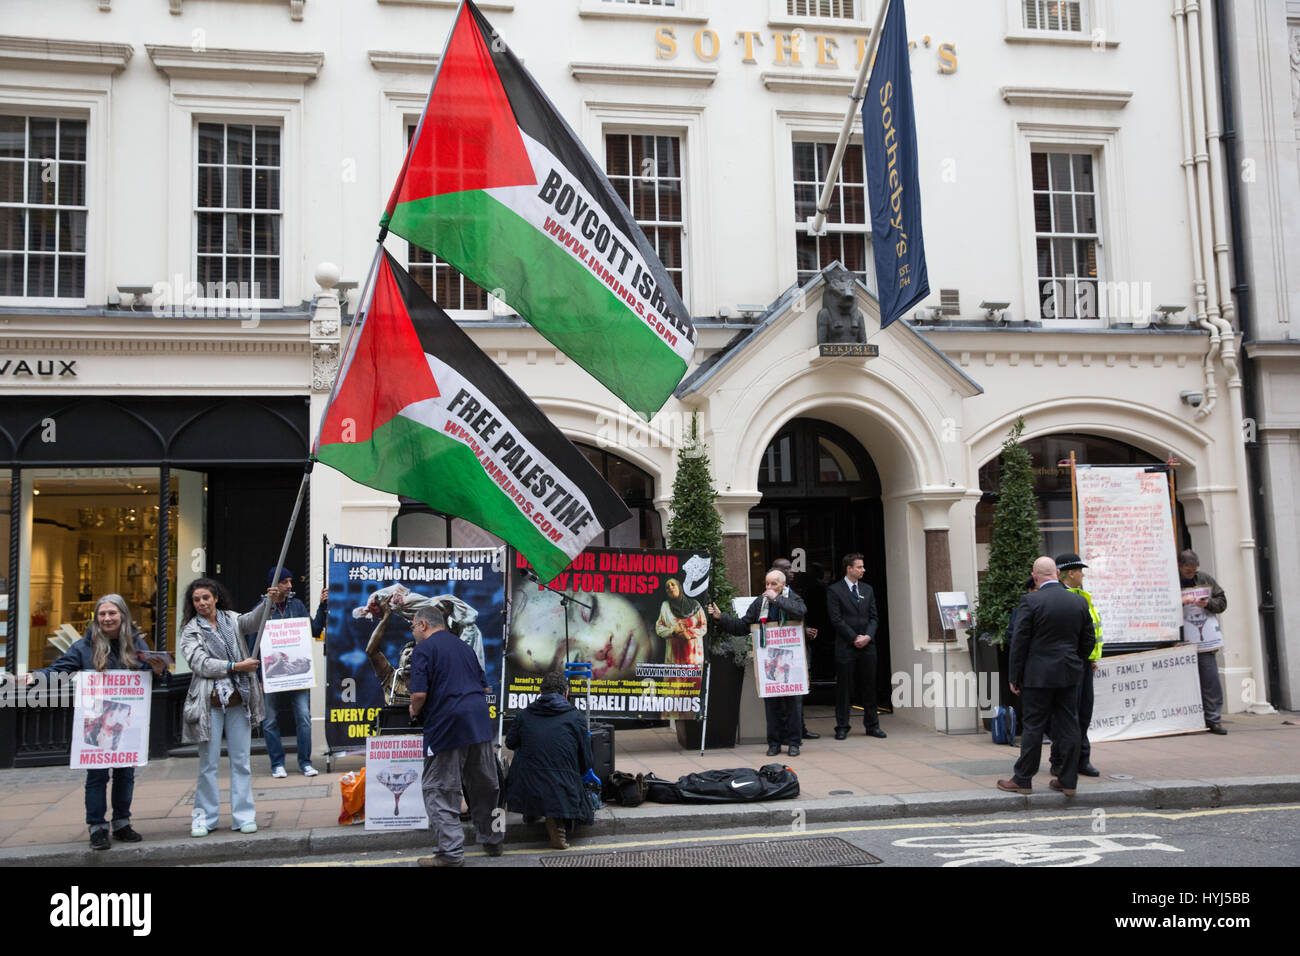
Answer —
(287, 662)
(394, 800)
(110, 719)
(1146, 695)
(1126, 538)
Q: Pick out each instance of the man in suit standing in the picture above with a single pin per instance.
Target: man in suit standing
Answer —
(1053, 637)
(851, 610)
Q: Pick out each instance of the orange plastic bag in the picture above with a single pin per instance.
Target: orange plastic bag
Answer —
(353, 787)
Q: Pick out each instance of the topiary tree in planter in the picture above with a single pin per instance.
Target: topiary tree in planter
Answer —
(695, 525)
(1016, 542)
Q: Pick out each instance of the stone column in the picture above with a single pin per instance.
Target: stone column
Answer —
(938, 577)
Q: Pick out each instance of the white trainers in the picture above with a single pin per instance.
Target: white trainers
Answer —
(249, 827)
(309, 771)
(278, 772)
(198, 830)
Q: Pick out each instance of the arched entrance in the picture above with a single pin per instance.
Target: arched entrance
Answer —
(821, 500)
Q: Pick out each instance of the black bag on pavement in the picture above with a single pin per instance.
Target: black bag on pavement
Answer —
(739, 785)
(658, 790)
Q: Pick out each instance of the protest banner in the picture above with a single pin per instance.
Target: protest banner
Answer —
(1200, 627)
(780, 664)
(643, 632)
(374, 592)
(110, 719)
(394, 800)
(1151, 694)
(287, 662)
(1126, 537)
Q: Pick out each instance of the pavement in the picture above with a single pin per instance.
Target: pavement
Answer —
(915, 772)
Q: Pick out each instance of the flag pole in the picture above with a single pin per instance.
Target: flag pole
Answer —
(284, 550)
(817, 222)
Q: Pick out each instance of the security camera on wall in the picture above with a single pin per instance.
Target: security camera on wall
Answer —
(1194, 399)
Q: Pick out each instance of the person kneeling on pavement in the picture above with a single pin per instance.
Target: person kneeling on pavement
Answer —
(552, 753)
(784, 716)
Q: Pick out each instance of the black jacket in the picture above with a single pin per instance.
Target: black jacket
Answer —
(849, 618)
(1053, 636)
(552, 752)
(781, 609)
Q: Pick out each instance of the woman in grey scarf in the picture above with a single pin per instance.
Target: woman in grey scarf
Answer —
(223, 700)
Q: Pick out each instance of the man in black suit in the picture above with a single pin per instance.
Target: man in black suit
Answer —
(851, 610)
(1053, 637)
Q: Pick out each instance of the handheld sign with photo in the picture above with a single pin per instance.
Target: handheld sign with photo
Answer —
(780, 664)
(110, 719)
(394, 800)
(287, 662)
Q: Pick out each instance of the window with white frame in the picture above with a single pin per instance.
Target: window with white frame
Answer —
(847, 234)
(646, 172)
(42, 207)
(1057, 15)
(644, 3)
(238, 211)
(443, 283)
(1067, 233)
(839, 9)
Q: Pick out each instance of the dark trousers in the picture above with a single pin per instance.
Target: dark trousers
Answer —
(97, 794)
(1084, 711)
(784, 720)
(855, 676)
(1038, 705)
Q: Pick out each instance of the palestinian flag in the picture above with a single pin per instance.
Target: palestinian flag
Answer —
(497, 184)
(420, 411)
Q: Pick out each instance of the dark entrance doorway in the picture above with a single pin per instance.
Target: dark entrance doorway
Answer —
(821, 500)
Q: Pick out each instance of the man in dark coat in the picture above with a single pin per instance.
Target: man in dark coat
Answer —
(552, 752)
(851, 610)
(1053, 637)
(779, 604)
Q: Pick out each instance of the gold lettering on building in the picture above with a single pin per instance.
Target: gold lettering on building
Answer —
(665, 43)
(826, 47)
(714, 44)
(749, 36)
(787, 45)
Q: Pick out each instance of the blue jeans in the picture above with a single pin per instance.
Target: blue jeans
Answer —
(300, 701)
(233, 724)
(96, 791)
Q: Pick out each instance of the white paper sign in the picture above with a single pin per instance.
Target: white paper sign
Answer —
(954, 610)
(1126, 537)
(394, 799)
(780, 666)
(110, 719)
(1146, 695)
(287, 660)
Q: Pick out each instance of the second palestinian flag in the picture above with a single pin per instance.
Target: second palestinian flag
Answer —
(498, 185)
(420, 411)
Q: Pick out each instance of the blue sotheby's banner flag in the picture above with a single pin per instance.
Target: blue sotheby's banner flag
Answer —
(889, 142)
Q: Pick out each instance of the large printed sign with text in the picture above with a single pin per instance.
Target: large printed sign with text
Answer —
(110, 719)
(1126, 537)
(1146, 695)
(780, 664)
(374, 593)
(636, 616)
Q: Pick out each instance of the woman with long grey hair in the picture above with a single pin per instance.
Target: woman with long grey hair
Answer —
(111, 643)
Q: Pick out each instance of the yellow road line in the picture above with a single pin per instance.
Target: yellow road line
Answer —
(861, 828)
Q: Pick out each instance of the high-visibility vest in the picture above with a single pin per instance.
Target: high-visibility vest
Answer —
(1096, 621)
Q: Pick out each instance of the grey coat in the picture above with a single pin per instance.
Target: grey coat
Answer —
(202, 647)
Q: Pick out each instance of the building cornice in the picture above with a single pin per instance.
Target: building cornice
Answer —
(806, 83)
(399, 61)
(227, 64)
(81, 56)
(1094, 99)
(693, 77)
